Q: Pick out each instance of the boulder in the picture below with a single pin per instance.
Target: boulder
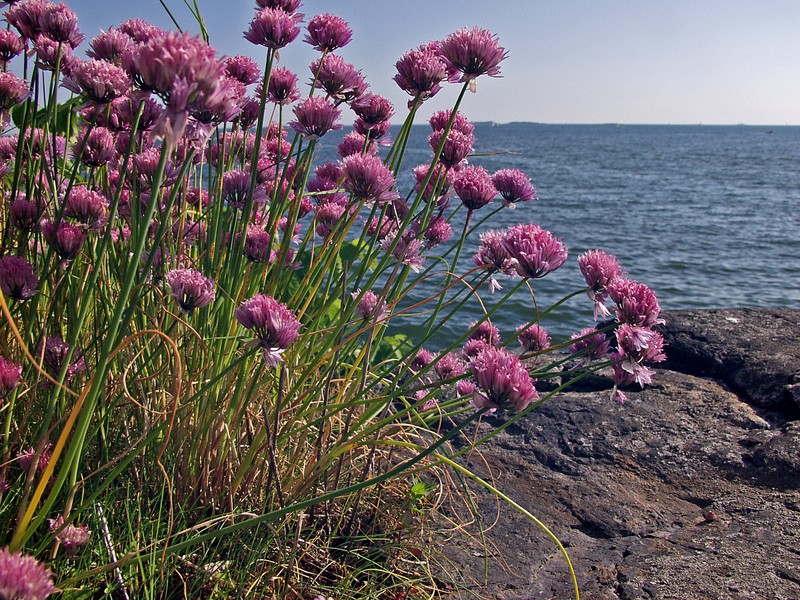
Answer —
(689, 490)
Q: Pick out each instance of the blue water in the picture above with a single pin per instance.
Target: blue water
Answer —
(707, 216)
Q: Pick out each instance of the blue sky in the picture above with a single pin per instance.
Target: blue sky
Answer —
(570, 61)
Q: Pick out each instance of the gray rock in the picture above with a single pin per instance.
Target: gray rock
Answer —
(690, 490)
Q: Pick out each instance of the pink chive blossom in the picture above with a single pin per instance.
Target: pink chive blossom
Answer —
(54, 351)
(372, 109)
(533, 337)
(370, 307)
(236, 187)
(328, 216)
(420, 72)
(457, 146)
(328, 32)
(25, 458)
(473, 347)
(100, 81)
(356, 143)
(636, 347)
(599, 269)
(243, 68)
(534, 251)
(273, 28)
(315, 117)
(73, 538)
(22, 577)
(13, 90)
(473, 185)
(502, 381)
(589, 344)
(485, 332)
(97, 148)
(449, 366)
(51, 55)
(288, 6)
(439, 183)
(110, 45)
(66, 239)
(406, 251)
(368, 178)
(25, 214)
(17, 278)
(140, 30)
(338, 78)
(441, 118)
(146, 163)
(636, 303)
(466, 387)
(421, 360)
(24, 17)
(10, 45)
(86, 206)
(275, 326)
(472, 53)
(60, 23)
(283, 86)
(190, 289)
(10, 373)
(438, 231)
(257, 245)
(513, 186)
(492, 253)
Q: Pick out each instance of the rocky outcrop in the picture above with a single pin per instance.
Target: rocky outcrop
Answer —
(689, 490)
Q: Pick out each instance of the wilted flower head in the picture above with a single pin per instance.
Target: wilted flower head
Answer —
(534, 251)
(9, 376)
(420, 71)
(273, 28)
(190, 288)
(328, 32)
(514, 186)
(315, 117)
(54, 351)
(471, 52)
(23, 577)
(473, 185)
(502, 381)
(421, 360)
(492, 252)
(283, 86)
(275, 326)
(533, 337)
(72, 537)
(99, 80)
(17, 279)
(337, 77)
(407, 251)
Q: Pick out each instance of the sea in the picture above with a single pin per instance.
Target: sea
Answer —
(707, 216)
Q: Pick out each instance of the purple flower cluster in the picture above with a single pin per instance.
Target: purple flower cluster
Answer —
(275, 326)
(190, 289)
(24, 577)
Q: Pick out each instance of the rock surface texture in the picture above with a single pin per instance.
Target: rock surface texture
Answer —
(689, 490)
